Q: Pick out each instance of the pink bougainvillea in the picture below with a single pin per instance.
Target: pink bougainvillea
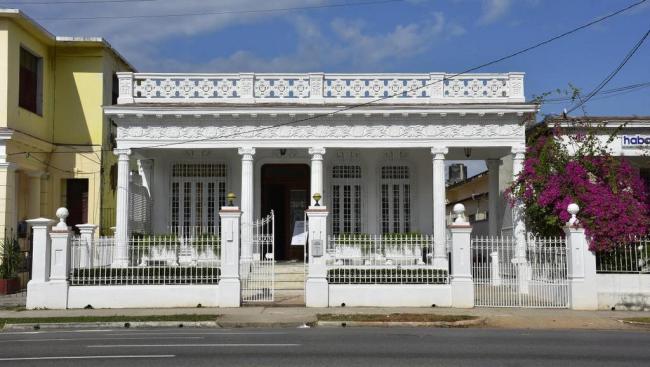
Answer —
(609, 191)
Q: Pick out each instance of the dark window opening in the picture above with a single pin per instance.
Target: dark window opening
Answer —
(115, 89)
(30, 82)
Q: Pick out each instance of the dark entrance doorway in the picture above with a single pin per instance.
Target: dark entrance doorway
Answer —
(285, 190)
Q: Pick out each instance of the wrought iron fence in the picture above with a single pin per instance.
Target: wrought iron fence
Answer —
(630, 258)
(508, 274)
(152, 259)
(382, 259)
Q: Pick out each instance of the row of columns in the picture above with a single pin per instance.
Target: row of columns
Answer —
(247, 197)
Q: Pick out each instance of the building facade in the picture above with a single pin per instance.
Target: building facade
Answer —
(373, 145)
(55, 142)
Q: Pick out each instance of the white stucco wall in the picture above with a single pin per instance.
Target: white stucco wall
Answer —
(623, 291)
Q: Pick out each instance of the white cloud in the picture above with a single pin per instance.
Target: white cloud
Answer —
(494, 10)
(347, 46)
(343, 44)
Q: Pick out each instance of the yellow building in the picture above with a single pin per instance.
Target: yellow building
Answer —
(55, 143)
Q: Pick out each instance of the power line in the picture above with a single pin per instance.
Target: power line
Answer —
(514, 54)
(226, 12)
(611, 75)
(608, 93)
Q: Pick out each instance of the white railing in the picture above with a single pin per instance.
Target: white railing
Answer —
(382, 259)
(152, 260)
(507, 274)
(320, 88)
(631, 258)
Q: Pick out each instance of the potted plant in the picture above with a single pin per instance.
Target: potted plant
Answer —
(9, 265)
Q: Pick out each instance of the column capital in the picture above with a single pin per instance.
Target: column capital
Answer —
(316, 152)
(493, 163)
(9, 166)
(246, 152)
(519, 149)
(122, 152)
(439, 151)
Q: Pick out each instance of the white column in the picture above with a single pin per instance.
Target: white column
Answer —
(34, 204)
(581, 265)
(493, 195)
(519, 226)
(316, 288)
(462, 287)
(316, 172)
(121, 255)
(230, 284)
(439, 204)
(247, 199)
(86, 236)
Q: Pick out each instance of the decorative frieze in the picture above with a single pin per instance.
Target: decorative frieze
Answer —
(320, 132)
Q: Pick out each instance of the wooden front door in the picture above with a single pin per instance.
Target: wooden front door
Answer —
(285, 190)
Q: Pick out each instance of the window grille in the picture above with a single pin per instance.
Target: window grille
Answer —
(346, 199)
(395, 199)
(198, 191)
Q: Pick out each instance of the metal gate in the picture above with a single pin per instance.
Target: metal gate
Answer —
(257, 272)
(531, 275)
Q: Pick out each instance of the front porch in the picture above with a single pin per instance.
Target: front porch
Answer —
(368, 191)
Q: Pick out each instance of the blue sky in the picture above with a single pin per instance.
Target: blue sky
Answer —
(406, 36)
(401, 36)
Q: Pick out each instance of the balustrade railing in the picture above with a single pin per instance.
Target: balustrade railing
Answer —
(320, 88)
(152, 259)
(382, 259)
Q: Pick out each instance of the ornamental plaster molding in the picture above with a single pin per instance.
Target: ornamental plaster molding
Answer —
(319, 132)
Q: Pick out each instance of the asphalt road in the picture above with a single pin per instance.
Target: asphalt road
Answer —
(324, 347)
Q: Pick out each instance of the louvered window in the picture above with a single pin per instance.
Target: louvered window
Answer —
(395, 199)
(346, 199)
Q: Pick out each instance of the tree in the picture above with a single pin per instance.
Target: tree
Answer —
(573, 165)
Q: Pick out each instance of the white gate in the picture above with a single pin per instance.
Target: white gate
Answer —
(257, 273)
(532, 275)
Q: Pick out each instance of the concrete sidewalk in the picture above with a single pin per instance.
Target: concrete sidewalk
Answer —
(506, 318)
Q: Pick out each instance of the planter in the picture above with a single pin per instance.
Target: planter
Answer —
(9, 286)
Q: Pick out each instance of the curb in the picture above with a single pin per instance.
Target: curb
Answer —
(439, 324)
(114, 325)
(635, 323)
(238, 325)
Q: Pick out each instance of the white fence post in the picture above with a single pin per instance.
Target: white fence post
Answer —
(86, 235)
(462, 286)
(317, 289)
(51, 264)
(37, 286)
(495, 273)
(581, 272)
(230, 284)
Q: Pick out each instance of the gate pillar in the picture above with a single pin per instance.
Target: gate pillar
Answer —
(462, 286)
(581, 272)
(317, 289)
(229, 284)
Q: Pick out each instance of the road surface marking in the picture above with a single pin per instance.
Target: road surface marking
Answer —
(189, 345)
(89, 357)
(198, 333)
(53, 331)
(84, 339)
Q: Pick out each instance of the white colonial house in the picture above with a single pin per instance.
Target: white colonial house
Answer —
(373, 145)
(224, 177)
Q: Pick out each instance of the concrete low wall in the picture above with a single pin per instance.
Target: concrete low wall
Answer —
(623, 291)
(379, 295)
(143, 296)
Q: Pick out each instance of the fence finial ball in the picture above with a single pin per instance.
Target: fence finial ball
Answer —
(573, 209)
(459, 210)
(62, 214)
